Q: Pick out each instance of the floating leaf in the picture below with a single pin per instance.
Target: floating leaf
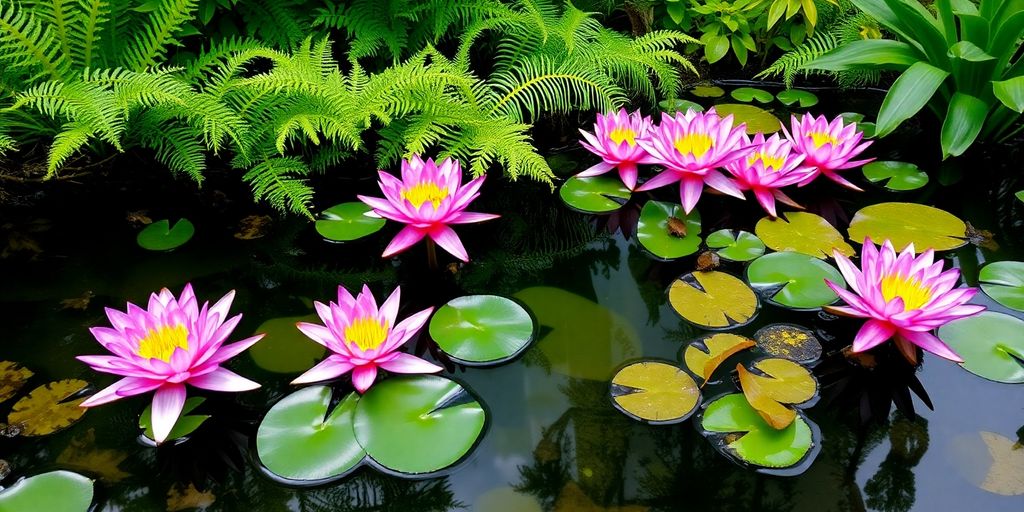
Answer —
(83, 454)
(56, 491)
(991, 461)
(301, 439)
(1020, 195)
(420, 424)
(757, 119)
(12, 377)
(285, 349)
(655, 392)
(44, 411)
(673, 106)
(750, 94)
(794, 280)
(348, 221)
(482, 329)
(599, 194)
(253, 227)
(783, 382)
(707, 91)
(705, 355)
(802, 232)
(758, 443)
(188, 498)
(1004, 282)
(806, 99)
(991, 345)
(908, 223)
(667, 241)
(789, 341)
(735, 245)
(713, 299)
(161, 236)
(851, 117)
(894, 175)
(183, 426)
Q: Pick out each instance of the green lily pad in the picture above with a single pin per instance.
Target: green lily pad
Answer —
(418, 424)
(713, 300)
(1004, 282)
(757, 443)
(802, 232)
(895, 175)
(348, 221)
(161, 236)
(285, 349)
(56, 491)
(991, 345)
(185, 424)
(734, 245)
(655, 392)
(751, 94)
(790, 341)
(673, 106)
(12, 377)
(599, 194)
(655, 235)
(300, 439)
(851, 117)
(794, 280)
(707, 91)
(805, 99)
(905, 223)
(757, 119)
(1020, 195)
(482, 329)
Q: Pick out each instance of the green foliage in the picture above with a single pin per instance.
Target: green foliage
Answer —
(853, 27)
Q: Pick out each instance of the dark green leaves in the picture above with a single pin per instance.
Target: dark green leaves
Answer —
(805, 99)
(735, 245)
(56, 491)
(794, 280)
(738, 431)
(750, 94)
(600, 194)
(964, 121)
(895, 176)
(185, 425)
(1010, 93)
(908, 95)
(347, 221)
(667, 232)
(482, 329)
(161, 236)
(1004, 282)
(991, 345)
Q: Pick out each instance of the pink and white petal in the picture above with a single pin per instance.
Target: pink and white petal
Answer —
(719, 182)
(449, 241)
(767, 200)
(472, 217)
(219, 311)
(226, 352)
(666, 177)
(223, 379)
(690, 189)
(931, 343)
(408, 363)
(167, 404)
(363, 377)
(785, 199)
(628, 174)
(389, 309)
(113, 340)
(138, 386)
(405, 330)
(596, 170)
(321, 335)
(845, 311)
(872, 334)
(842, 181)
(108, 394)
(405, 239)
(330, 368)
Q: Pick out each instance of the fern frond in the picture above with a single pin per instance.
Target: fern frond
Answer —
(7, 143)
(274, 181)
(790, 63)
(276, 22)
(177, 147)
(540, 85)
(87, 31)
(26, 44)
(77, 102)
(72, 137)
(150, 43)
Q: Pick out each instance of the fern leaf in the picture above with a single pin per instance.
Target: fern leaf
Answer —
(25, 43)
(274, 181)
(72, 137)
(151, 42)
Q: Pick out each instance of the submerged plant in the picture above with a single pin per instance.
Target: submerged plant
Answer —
(615, 141)
(770, 166)
(171, 343)
(903, 297)
(827, 147)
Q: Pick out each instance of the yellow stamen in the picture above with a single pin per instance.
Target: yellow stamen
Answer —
(367, 333)
(160, 343)
(822, 138)
(695, 143)
(913, 293)
(770, 162)
(620, 134)
(423, 192)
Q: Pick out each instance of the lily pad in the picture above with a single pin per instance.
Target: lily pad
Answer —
(285, 349)
(895, 175)
(482, 329)
(751, 94)
(12, 377)
(794, 280)
(993, 462)
(673, 106)
(714, 300)
(991, 344)
(56, 491)
(1004, 282)
(185, 424)
(851, 117)
(655, 392)
(744, 435)
(348, 221)
(301, 439)
(802, 232)
(905, 223)
(734, 245)
(777, 383)
(665, 242)
(789, 341)
(45, 411)
(1019, 195)
(757, 119)
(705, 355)
(805, 99)
(161, 236)
(419, 424)
(707, 91)
(599, 194)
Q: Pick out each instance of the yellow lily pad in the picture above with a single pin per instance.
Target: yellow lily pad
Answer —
(909, 223)
(705, 355)
(42, 412)
(802, 232)
(781, 382)
(714, 300)
(789, 341)
(655, 392)
(12, 378)
(993, 462)
(758, 120)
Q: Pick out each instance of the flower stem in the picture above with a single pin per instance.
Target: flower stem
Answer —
(431, 254)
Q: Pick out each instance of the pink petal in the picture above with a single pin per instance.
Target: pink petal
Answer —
(363, 377)
(471, 217)
(766, 199)
(719, 182)
(167, 404)
(406, 329)
(449, 241)
(690, 189)
(872, 334)
(405, 238)
(223, 379)
(329, 368)
(226, 352)
(929, 342)
(596, 170)
(219, 311)
(666, 177)
(408, 363)
(109, 393)
(628, 174)
(389, 309)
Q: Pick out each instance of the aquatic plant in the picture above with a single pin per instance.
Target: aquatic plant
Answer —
(363, 338)
(428, 198)
(903, 297)
(827, 147)
(770, 166)
(171, 343)
(615, 141)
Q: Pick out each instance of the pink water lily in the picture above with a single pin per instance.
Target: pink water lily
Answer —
(171, 343)
(827, 147)
(903, 297)
(363, 338)
(770, 165)
(428, 199)
(615, 141)
(691, 146)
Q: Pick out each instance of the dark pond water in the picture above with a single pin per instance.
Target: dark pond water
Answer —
(554, 442)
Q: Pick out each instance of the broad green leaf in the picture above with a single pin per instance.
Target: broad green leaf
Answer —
(1011, 93)
(750, 94)
(161, 236)
(599, 194)
(348, 221)
(713, 300)
(966, 50)
(991, 345)
(12, 377)
(1004, 282)
(735, 245)
(789, 341)
(777, 383)
(655, 392)
(964, 121)
(183, 426)
(805, 99)
(1019, 195)
(802, 232)
(759, 443)
(482, 329)
(667, 231)
(284, 349)
(673, 106)
(757, 119)
(794, 280)
(56, 491)
(867, 53)
(895, 175)
(908, 223)
(705, 355)
(908, 95)
(715, 47)
(707, 91)
(45, 411)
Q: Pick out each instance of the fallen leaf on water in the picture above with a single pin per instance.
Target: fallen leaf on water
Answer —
(573, 499)
(188, 498)
(138, 218)
(43, 411)
(253, 227)
(20, 242)
(83, 455)
(1006, 476)
(703, 356)
(12, 378)
(783, 382)
(80, 303)
(981, 237)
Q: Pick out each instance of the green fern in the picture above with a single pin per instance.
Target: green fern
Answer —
(275, 181)
(150, 44)
(789, 65)
(27, 44)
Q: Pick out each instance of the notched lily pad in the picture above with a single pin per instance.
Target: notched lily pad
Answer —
(482, 329)
(734, 245)
(794, 280)
(739, 432)
(894, 175)
(705, 355)
(806, 99)
(802, 232)
(161, 236)
(185, 425)
(990, 343)
(673, 106)
(48, 409)
(56, 491)
(789, 341)
(667, 231)
(751, 94)
(1004, 282)
(905, 223)
(707, 91)
(599, 194)
(655, 392)
(773, 383)
(348, 221)
(714, 300)
(757, 119)
(12, 377)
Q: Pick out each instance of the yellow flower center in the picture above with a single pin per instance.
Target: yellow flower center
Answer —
(423, 192)
(822, 138)
(620, 134)
(695, 143)
(770, 162)
(367, 333)
(160, 343)
(913, 293)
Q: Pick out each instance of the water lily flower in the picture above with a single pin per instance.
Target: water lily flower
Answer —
(770, 166)
(171, 343)
(362, 338)
(827, 147)
(903, 297)
(428, 198)
(615, 141)
(690, 146)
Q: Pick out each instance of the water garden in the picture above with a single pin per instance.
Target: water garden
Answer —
(519, 255)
